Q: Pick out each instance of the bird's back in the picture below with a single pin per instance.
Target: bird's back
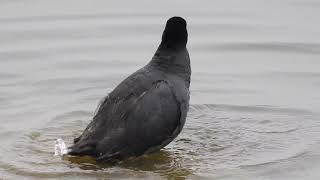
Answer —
(142, 105)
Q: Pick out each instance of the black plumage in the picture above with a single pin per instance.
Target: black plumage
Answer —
(147, 110)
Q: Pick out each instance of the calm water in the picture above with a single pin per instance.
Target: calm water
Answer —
(255, 101)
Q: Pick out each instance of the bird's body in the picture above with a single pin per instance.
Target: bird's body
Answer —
(146, 111)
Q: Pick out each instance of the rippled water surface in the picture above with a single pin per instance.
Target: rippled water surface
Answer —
(255, 101)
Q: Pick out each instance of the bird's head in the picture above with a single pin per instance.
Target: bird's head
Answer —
(175, 34)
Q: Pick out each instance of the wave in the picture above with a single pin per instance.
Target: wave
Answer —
(276, 132)
(72, 114)
(253, 109)
(285, 47)
(293, 157)
(68, 17)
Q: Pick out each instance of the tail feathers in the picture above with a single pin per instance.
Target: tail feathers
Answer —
(107, 155)
(75, 140)
(83, 148)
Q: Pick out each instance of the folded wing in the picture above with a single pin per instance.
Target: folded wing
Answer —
(133, 125)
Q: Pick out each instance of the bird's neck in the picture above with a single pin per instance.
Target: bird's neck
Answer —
(173, 61)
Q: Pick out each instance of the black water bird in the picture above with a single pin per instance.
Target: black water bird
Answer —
(147, 110)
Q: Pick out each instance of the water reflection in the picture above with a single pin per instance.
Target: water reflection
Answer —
(164, 163)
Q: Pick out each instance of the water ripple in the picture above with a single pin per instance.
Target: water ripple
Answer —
(284, 47)
(252, 109)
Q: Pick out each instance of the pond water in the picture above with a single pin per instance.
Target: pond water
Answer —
(255, 101)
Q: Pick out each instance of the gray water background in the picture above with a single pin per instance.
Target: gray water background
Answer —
(255, 101)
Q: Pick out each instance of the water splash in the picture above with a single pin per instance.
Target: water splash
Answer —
(60, 148)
